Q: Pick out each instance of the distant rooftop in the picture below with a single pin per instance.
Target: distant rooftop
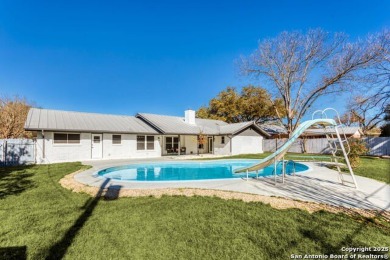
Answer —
(277, 130)
(274, 129)
(348, 130)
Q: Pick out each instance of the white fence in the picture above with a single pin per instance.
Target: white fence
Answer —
(376, 145)
(17, 151)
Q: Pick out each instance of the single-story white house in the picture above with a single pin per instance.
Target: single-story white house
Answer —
(64, 136)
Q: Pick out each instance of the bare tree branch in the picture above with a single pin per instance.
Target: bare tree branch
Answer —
(303, 67)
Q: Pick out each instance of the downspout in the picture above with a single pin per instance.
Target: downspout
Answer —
(35, 150)
(43, 145)
(231, 144)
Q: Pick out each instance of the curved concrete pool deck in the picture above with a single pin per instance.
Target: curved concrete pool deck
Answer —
(319, 184)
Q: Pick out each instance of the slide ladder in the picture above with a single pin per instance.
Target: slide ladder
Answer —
(338, 144)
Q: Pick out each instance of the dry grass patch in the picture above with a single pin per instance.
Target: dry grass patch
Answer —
(70, 183)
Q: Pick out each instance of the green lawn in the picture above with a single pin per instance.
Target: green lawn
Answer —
(371, 167)
(375, 168)
(41, 218)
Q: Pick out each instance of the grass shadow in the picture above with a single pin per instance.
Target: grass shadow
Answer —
(112, 192)
(15, 180)
(316, 234)
(59, 249)
(13, 252)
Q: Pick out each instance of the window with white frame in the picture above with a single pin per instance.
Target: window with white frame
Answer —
(222, 139)
(145, 142)
(65, 138)
(140, 142)
(116, 139)
(150, 142)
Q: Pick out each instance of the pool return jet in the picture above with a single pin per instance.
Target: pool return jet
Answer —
(337, 141)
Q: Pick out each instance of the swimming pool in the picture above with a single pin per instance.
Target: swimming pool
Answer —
(186, 171)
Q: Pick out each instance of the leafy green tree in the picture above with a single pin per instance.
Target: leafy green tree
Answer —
(251, 103)
(255, 103)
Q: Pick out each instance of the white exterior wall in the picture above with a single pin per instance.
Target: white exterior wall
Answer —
(219, 148)
(247, 142)
(128, 148)
(63, 152)
(82, 151)
(190, 142)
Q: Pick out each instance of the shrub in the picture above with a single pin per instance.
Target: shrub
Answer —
(358, 148)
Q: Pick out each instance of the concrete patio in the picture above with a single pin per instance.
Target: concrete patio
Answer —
(319, 184)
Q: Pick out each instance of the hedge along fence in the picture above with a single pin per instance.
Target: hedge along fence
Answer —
(377, 146)
(17, 151)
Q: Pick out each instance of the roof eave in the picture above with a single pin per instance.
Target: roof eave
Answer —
(138, 115)
(88, 131)
(252, 123)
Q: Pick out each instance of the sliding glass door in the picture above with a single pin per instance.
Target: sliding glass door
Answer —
(171, 144)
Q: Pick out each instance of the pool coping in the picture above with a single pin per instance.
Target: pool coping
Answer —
(320, 184)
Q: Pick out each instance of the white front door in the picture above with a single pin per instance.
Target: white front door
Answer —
(97, 146)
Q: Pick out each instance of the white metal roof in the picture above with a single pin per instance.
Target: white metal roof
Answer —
(177, 125)
(45, 119)
(56, 120)
(169, 124)
(233, 128)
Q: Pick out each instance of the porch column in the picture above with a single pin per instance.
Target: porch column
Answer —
(197, 144)
(178, 151)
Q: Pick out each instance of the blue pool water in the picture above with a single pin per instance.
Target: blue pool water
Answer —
(181, 171)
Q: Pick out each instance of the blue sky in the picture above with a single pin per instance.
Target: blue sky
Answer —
(124, 57)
